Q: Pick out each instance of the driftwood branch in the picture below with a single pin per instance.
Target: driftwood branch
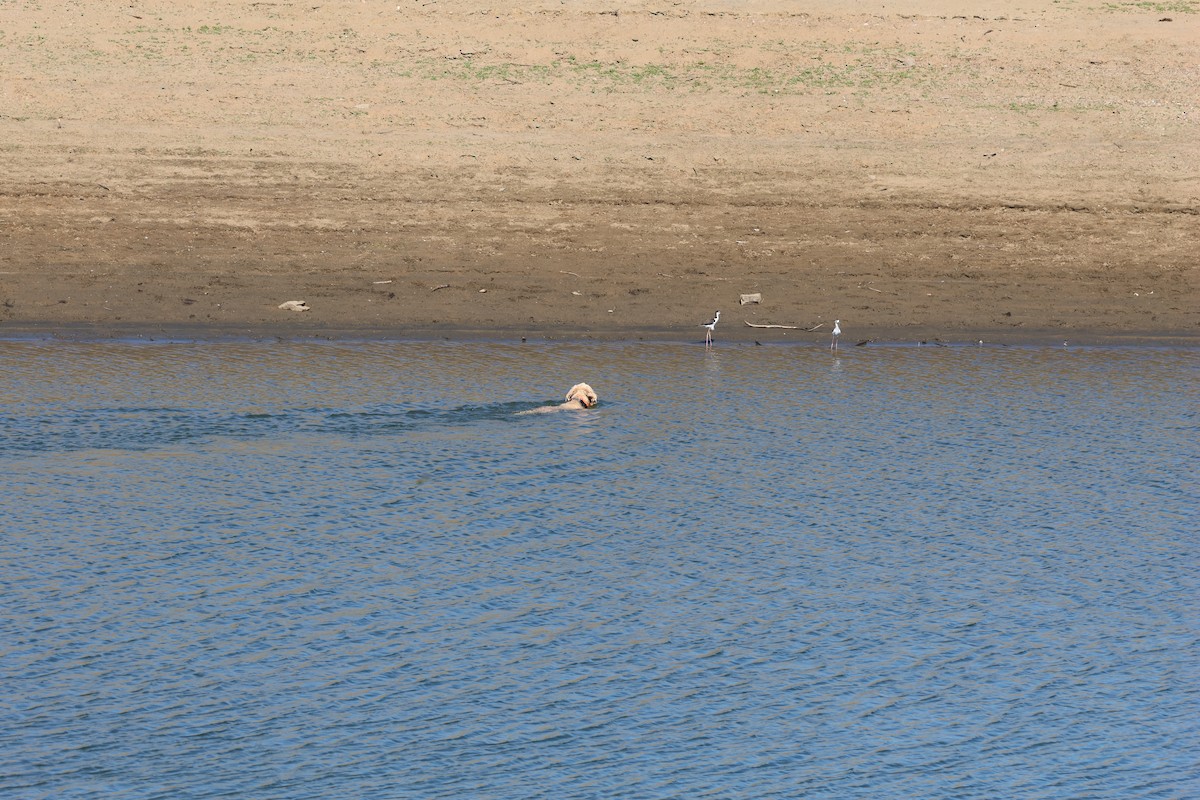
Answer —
(787, 327)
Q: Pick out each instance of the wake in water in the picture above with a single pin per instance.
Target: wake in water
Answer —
(149, 428)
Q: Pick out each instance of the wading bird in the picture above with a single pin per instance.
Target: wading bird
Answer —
(837, 331)
(711, 325)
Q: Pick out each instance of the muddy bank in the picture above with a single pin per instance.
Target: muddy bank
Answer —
(533, 169)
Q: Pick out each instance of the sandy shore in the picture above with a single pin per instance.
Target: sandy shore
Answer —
(1009, 171)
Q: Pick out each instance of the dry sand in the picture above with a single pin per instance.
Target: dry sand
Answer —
(1010, 171)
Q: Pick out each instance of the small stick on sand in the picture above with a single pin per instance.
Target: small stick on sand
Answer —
(788, 327)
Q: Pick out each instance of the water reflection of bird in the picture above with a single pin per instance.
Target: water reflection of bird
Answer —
(837, 331)
(711, 325)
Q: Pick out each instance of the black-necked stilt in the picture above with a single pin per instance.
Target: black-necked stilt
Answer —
(837, 331)
(711, 325)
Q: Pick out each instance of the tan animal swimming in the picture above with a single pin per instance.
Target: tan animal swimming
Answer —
(580, 396)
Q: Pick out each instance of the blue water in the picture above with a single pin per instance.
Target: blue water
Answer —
(288, 570)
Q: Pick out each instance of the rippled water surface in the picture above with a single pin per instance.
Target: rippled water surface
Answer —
(288, 570)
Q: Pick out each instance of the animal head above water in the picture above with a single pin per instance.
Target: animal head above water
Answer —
(584, 394)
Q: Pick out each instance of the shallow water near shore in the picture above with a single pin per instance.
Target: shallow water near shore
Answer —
(296, 570)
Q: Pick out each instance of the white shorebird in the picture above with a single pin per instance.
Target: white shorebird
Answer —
(711, 325)
(837, 331)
